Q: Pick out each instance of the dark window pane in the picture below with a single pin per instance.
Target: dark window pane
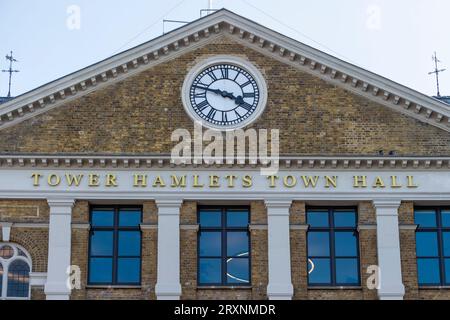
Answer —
(318, 244)
(18, 279)
(445, 214)
(129, 243)
(447, 271)
(319, 271)
(128, 270)
(210, 218)
(6, 252)
(100, 270)
(317, 218)
(238, 270)
(210, 271)
(425, 218)
(102, 243)
(346, 244)
(347, 271)
(237, 218)
(345, 218)
(446, 243)
(102, 218)
(428, 271)
(129, 218)
(426, 244)
(237, 244)
(210, 244)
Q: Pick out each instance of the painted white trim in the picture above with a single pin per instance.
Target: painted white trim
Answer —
(225, 59)
(6, 230)
(163, 161)
(59, 248)
(279, 251)
(38, 279)
(388, 248)
(7, 262)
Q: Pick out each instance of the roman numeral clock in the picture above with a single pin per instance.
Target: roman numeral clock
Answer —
(224, 93)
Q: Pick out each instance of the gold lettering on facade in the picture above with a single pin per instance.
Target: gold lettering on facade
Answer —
(159, 182)
(36, 177)
(111, 180)
(411, 182)
(231, 179)
(331, 181)
(94, 180)
(310, 181)
(73, 179)
(214, 181)
(178, 182)
(53, 180)
(140, 180)
(290, 181)
(359, 181)
(394, 183)
(196, 182)
(379, 183)
(247, 181)
(272, 181)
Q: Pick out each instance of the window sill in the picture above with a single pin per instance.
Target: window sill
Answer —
(224, 287)
(434, 288)
(113, 287)
(335, 288)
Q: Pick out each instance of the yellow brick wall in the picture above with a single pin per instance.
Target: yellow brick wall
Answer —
(138, 115)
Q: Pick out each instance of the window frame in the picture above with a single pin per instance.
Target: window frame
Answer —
(439, 230)
(332, 230)
(224, 229)
(6, 263)
(115, 256)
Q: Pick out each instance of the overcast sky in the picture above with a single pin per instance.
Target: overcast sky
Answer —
(394, 38)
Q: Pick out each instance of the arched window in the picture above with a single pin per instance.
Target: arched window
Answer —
(15, 267)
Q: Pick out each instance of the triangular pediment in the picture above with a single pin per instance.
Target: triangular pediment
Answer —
(198, 33)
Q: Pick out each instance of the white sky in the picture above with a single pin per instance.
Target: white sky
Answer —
(395, 38)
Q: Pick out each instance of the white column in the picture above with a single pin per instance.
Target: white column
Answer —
(388, 245)
(59, 249)
(168, 285)
(280, 283)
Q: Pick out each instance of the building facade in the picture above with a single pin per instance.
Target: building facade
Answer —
(94, 204)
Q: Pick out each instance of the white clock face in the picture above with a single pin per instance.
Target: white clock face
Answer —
(224, 94)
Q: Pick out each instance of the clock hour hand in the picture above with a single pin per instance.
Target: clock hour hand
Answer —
(238, 100)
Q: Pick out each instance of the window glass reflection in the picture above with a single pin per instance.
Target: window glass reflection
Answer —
(318, 244)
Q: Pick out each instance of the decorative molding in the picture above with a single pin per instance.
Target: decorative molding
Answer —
(285, 162)
(327, 67)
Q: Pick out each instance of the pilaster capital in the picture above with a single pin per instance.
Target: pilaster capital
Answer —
(278, 207)
(386, 203)
(169, 203)
(60, 206)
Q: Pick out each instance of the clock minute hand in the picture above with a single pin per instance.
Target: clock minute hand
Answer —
(216, 91)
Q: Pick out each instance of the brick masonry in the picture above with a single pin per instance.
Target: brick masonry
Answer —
(138, 114)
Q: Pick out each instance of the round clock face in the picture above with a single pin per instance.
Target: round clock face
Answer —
(224, 93)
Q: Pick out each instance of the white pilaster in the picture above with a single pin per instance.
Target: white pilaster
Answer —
(6, 230)
(59, 249)
(280, 283)
(168, 285)
(388, 246)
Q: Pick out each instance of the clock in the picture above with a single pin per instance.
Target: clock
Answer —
(224, 93)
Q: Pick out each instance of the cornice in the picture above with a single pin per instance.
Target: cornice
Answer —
(327, 67)
(285, 162)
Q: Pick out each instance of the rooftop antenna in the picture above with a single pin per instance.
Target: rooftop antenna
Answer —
(436, 71)
(209, 10)
(10, 70)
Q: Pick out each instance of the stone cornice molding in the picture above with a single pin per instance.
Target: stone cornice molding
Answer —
(164, 161)
(327, 67)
